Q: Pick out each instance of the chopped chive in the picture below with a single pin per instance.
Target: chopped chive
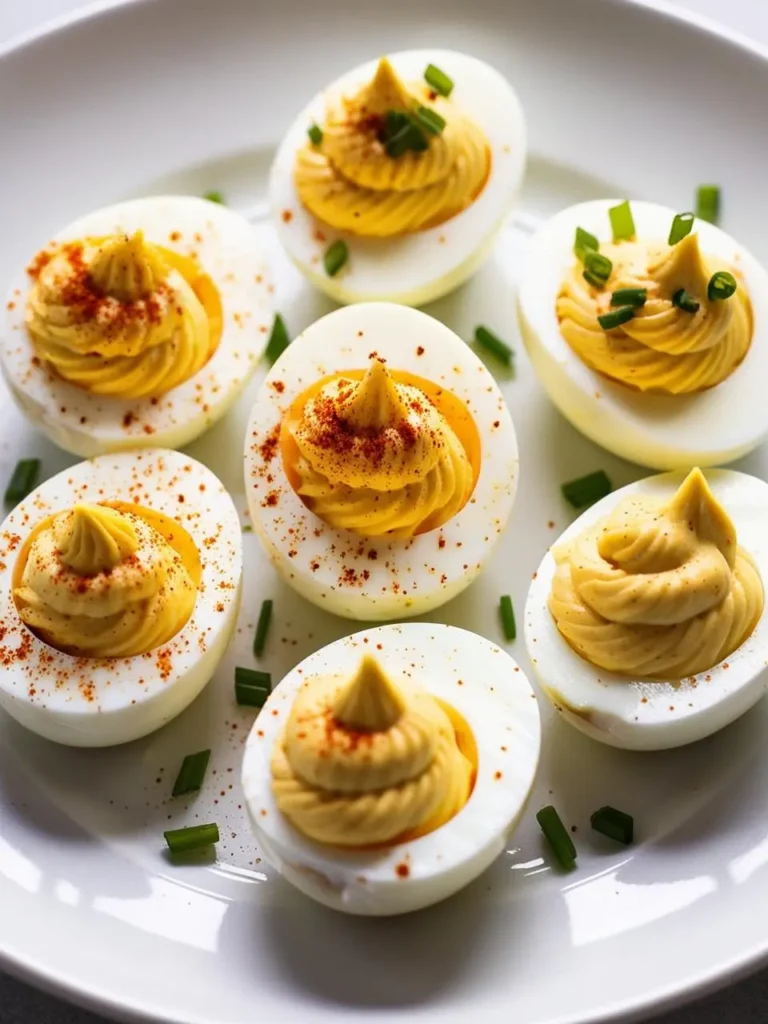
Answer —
(191, 773)
(557, 836)
(493, 344)
(681, 226)
(336, 255)
(262, 628)
(430, 120)
(586, 490)
(403, 132)
(634, 297)
(614, 824)
(252, 687)
(597, 268)
(507, 613)
(622, 221)
(315, 133)
(438, 79)
(615, 317)
(708, 203)
(685, 301)
(247, 528)
(214, 197)
(278, 340)
(23, 480)
(721, 286)
(182, 840)
(584, 243)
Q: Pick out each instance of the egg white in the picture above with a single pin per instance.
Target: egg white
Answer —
(647, 714)
(420, 267)
(48, 691)
(85, 424)
(660, 431)
(486, 686)
(379, 578)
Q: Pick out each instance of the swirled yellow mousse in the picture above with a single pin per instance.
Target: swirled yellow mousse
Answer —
(122, 317)
(380, 452)
(658, 590)
(364, 761)
(664, 348)
(358, 179)
(107, 581)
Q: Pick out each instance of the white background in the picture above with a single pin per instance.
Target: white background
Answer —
(744, 1004)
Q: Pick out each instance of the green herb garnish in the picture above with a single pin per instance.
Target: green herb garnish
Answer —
(438, 80)
(614, 824)
(191, 773)
(681, 226)
(23, 480)
(557, 836)
(708, 203)
(182, 840)
(262, 628)
(622, 222)
(586, 490)
(507, 613)
(336, 255)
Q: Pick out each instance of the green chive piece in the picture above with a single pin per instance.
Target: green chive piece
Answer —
(586, 490)
(247, 528)
(615, 317)
(336, 255)
(507, 613)
(584, 243)
(315, 133)
(597, 268)
(438, 79)
(430, 120)
(196, 837)
(681, 226)
(262, 628)
(252, 687)
(492, 343)
(23, 480)
(614, 824)
(708, 203)
(191, 773)
(622, 221)
(278, 340)
(214, 197)
(685, 301)
(557, 836)
(634, 297)
(721, 286)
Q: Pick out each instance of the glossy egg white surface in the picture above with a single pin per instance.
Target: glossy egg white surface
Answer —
(660, 431)
(419, 267)
(643, 714)
(99, 702)
(379, 578)
(85, 424)
(486, 686)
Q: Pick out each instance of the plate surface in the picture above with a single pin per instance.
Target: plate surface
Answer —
(90, 906)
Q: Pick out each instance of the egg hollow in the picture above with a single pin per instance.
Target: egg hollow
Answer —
(96, 702)
(490, 692)
(644, 713)
(661, 431)
(224, 247)
(379, 577)
(420, 266)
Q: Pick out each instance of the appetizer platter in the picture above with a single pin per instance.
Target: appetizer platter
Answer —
(384, 538)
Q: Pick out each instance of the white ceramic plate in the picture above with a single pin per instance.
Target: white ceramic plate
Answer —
(174, 95)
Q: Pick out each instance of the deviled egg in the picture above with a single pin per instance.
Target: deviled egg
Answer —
(394, 181)
(646, 622)
(119, 589)
(388, 770)
(649, 334)
(380, 463)
(138, 325)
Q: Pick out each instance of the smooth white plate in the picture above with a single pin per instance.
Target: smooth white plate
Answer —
(90, 906)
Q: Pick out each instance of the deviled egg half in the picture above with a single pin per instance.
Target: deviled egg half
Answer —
(138, 325)
(646, 622)
(394, 181)
(380, 463)
(387, 770)
(119, 590)
(649, 331)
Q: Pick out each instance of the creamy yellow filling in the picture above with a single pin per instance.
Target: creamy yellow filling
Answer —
(662, 348)
(657, 589)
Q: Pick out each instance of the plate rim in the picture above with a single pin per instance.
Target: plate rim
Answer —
(701, 984)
